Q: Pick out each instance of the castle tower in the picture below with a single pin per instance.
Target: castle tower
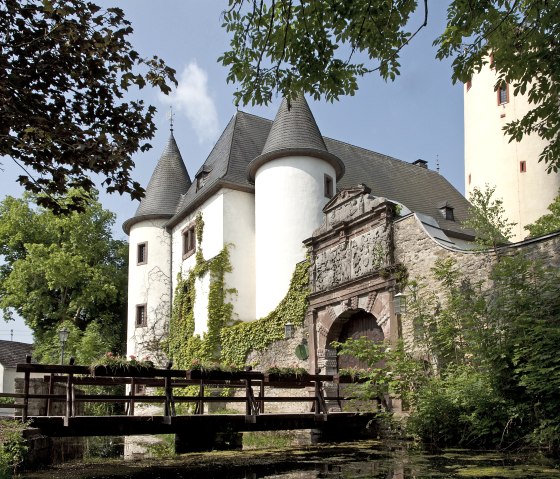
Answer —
(149, 283)
(512, 167)
(294, 178)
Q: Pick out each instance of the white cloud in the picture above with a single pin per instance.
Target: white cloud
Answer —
(193, 100)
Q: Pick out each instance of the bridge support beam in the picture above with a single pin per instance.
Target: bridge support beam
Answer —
(208, 440)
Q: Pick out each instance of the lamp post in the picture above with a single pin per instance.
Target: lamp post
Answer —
(63, 336)
(400, 303)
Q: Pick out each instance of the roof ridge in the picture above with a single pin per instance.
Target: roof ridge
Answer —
(380, 154)
(231, 142)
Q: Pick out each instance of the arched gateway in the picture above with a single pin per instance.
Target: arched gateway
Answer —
(353, 276)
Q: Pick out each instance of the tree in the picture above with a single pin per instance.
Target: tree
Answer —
(486, 217)
(65, 68)
(547, 223)
(63, 270)
(322, 48)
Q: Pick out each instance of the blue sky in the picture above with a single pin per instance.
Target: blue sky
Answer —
(420, 115)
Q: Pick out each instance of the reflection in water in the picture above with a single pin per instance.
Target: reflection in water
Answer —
(352, 460)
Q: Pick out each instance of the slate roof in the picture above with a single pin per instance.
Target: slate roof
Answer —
(294, 132)
(247, 137)
(168, 182)
(13, 352)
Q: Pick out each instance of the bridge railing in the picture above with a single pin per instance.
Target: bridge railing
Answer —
(74, 376)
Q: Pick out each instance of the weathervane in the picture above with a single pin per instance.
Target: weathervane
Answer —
(170, 116)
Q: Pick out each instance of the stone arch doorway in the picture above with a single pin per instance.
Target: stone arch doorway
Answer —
(359, 324)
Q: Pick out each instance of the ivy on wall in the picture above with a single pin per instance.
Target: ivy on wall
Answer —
(240, 339)
(183, 345)
(224, 342)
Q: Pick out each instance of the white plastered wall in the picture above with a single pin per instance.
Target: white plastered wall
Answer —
(289, 197)
(228, 219)
(491, 159)
(148, 284)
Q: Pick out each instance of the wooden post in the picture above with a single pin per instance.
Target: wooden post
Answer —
(51, 391)
(132, 394)
(200, 404)
(169, 402)
(261, 395)
(26, 391)
(248, 393)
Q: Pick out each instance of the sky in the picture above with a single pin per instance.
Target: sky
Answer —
(419, 115)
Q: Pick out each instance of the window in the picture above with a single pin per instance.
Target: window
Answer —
(469, 178)
(142, 253)
(141, 317)
(189, 241)
(523, 166)
(503, 94)
(469, 85)
(201, 180)
(447, 211)
(328, 186)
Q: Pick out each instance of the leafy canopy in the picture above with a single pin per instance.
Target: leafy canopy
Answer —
(547, 223)
(487, 218)
(322, 48)
(63, 271)
(66, 66)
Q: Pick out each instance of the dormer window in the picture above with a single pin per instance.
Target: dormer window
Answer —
(447, 211)
(202, 176)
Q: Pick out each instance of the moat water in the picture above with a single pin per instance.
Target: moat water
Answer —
(365, 460)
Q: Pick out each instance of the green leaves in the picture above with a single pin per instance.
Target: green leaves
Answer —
(547, 223)
(65, 68)
(487, 219)
(314, 47)
(62, 269)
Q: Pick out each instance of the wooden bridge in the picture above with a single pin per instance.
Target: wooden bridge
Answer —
(196, 430)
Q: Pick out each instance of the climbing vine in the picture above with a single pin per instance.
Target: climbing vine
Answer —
(184, 346)
(238, 340)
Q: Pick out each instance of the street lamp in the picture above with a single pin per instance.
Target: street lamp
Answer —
(399, 301)
(63, 336)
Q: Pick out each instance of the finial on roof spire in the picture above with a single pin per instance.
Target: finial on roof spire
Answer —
(170, 116)
(437, 163)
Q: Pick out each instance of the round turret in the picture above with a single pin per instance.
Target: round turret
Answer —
(149, 259)
(295, 176)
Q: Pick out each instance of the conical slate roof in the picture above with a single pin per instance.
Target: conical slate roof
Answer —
(294, 132)
(169, 181)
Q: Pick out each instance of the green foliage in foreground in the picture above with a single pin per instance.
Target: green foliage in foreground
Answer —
(496, 356)
(12, 446)
(485, 369)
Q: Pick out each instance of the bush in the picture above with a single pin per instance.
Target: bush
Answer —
(13, 446)
(462, 408)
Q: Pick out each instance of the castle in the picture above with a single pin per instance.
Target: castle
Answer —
(265, 188)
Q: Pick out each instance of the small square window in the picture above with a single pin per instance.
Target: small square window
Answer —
(523, 166)
(142, 253)
(201, 180)
(329, 186)
(141, 316)
(189, 241)
(503, 94)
